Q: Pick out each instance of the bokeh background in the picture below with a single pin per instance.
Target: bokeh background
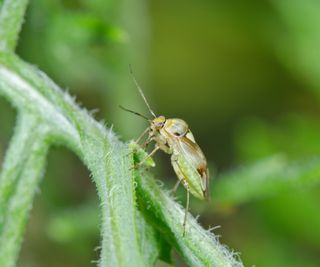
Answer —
(245, 75)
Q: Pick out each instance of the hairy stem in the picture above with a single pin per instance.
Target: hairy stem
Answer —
(22, 170)
(11, 18)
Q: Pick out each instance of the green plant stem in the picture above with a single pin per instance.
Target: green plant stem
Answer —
(16, 155)
(107, 159)
(22, 170)
(11, 18)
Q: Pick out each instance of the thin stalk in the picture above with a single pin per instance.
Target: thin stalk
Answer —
(11, 18)
(19, 180)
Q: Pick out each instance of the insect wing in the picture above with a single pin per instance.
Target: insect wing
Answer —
(194, 164)
(188, 175)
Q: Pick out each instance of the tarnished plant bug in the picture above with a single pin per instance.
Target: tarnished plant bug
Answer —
(174, 137)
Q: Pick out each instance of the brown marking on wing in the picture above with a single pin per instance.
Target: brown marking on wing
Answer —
(203, 171)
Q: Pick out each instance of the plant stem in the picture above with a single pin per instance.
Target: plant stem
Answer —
(22, 170)
(11, 18)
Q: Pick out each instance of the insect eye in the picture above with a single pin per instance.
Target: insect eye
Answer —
(159, 125)
(159, 122)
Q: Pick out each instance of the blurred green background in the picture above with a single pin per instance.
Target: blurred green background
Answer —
(245, 75)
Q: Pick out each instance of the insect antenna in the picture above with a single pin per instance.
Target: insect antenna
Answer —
(141, 92)
(134, 112)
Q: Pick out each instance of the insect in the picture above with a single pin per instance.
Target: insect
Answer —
(174, 137)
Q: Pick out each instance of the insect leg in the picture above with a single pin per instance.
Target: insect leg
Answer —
(151, 153)
(147, 142)
(174, 189)
(182, 178)
(142, 135)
